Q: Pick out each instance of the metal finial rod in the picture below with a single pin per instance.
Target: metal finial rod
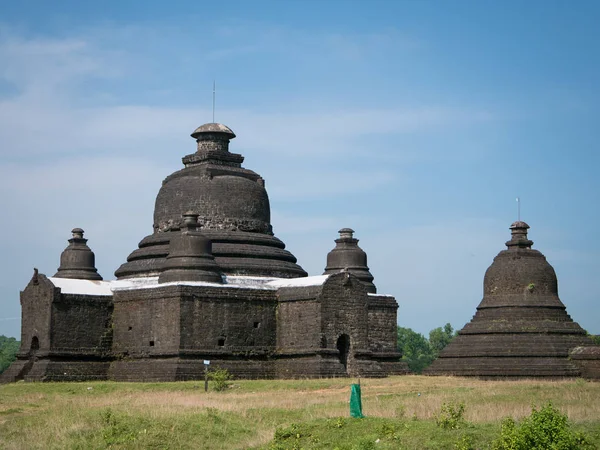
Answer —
(214, 91)
(519, 208)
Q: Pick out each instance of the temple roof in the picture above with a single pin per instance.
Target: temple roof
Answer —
(233, 212)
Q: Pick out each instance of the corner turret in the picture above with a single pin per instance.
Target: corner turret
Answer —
(348, 256)
(77, 260)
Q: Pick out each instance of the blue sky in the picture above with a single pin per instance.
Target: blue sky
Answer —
(415, 123)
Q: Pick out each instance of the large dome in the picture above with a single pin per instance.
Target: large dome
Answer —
(223, 202)
(233, 212)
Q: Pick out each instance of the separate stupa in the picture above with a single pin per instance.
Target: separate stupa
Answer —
(521, 328)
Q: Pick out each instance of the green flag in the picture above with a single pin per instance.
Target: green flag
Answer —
(355, 401)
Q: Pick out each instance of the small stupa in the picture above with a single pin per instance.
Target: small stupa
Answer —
(521, 327)
(348, 256)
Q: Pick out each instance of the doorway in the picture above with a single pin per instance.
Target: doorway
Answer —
(35, 346)
(343, 346)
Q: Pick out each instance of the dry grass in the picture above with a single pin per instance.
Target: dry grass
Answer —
(66, 415)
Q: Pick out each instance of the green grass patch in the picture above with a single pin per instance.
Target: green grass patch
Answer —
(378, 433)
(284, 414)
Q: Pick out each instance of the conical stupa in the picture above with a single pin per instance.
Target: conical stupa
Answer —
(521, 328)
(233, 211)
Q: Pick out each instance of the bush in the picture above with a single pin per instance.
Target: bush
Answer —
(220, 379)
(464, 443)
(451, 416)
(544, 429)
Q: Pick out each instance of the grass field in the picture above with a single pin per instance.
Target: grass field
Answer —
(306, 413)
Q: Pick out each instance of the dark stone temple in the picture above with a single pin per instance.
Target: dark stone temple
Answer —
(521, 327)
(212, 282)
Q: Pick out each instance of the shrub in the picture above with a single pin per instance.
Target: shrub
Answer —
(464, 443)
(544, 429)
(451, 416)
(220, 378)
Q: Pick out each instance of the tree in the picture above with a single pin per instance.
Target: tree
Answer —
(440, 337)
(418, 351)
(415, 349)
(9, 347)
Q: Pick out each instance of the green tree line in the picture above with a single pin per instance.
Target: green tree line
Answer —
(8, 351)
(418, 351)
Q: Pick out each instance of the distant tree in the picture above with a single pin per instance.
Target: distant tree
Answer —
(418, 351)
(595, 338)
(8, 351)
(440, 337)
(415, 349)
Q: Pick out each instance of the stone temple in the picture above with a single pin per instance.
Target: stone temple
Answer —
(212, 282)
(521, 327)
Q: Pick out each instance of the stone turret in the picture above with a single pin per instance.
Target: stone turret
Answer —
(233, 210)
(521, 327)
(190, 256)
(348, 256)
(78, 260)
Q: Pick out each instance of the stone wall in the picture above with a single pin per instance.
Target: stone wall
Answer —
(146, 322)
(383, 326)
(298, 319)
(166, 333)
(345, 312)
(228, 319)
(587, 359)
(81, 322)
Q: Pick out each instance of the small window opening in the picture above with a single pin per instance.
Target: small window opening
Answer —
(151, 343)
(130, 328)
(256, 324)
(221, 342)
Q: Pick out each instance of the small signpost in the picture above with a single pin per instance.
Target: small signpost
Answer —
(206, 364)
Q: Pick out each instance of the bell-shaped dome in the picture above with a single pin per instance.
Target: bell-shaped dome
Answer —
(190, 256)
(347, 255)
(230, 203)
(520, 275)
(78, 260)
(520, 328)
(233, 211)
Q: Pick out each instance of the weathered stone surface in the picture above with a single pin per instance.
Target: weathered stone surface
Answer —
(587, 359)
(520, 328)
